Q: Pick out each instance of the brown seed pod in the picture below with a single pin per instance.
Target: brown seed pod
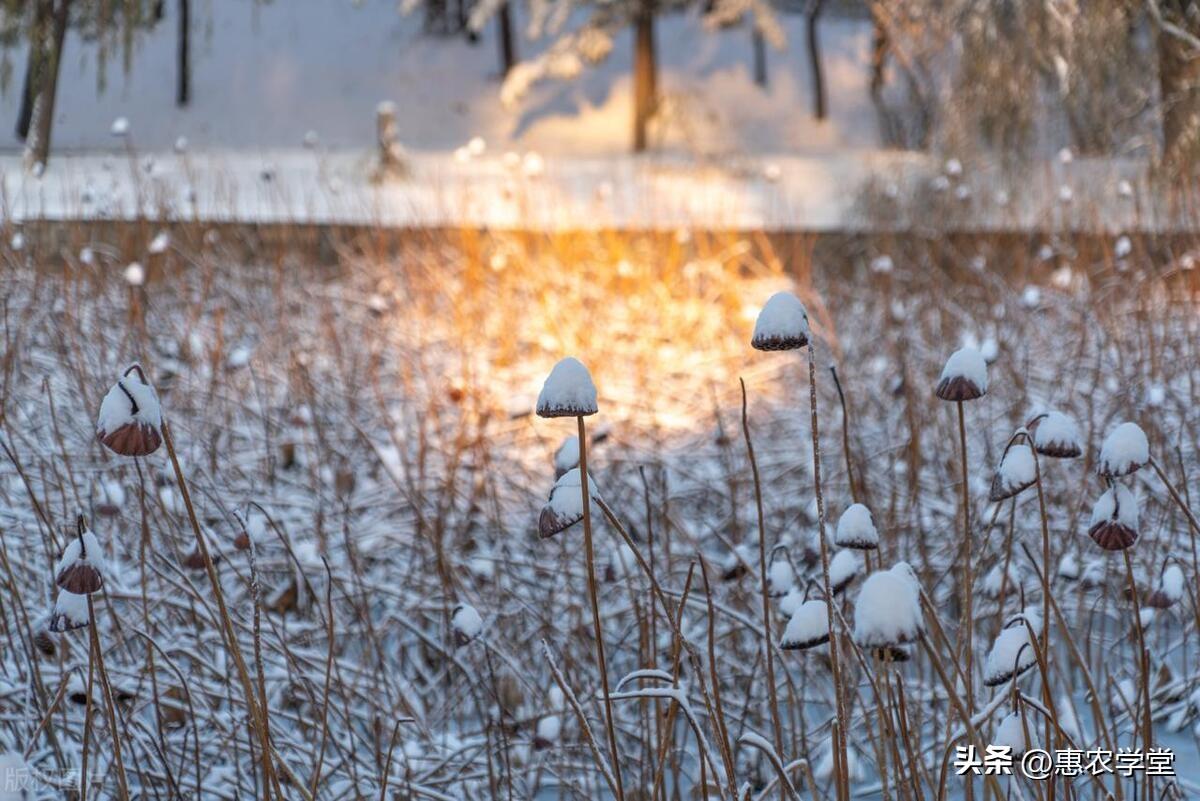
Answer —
(242, 541)
(81, 578)
(195, 560)
(896, 653)
(132, 439)
(958, 388)
(1112, 535)
(44, 642)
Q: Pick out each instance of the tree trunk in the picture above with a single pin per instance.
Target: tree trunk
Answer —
(814, 57)
(34, 60)
(183, 78)
(645, 75)
(1179, 85)
(508, 49)
(37, 147)
(760, 59)
(879, 51)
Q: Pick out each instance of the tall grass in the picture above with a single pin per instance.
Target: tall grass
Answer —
(368, 424)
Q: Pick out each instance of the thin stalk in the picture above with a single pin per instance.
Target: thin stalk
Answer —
(769, 659)
(110, 710)
(968, 627)
(257, 717)
(843, 791)
(589, 556)
(1143, 663)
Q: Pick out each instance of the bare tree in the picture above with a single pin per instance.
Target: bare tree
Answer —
(47, 40)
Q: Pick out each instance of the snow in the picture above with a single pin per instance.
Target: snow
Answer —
(119, 127)
(964, 377)
(1017, 472)
(856, 528)
(782, 324)
(808, 626)
(81, 549)
(568, 391)
(466, 622)
(887, 611)
(134, 274)
(1010, 733)
(565, 507)
(1124, 451)
(567, 456)
(160, 243)
(1057, 434)
(1012, 652)
(781, 577)
(1114, 521)
(1172, 583)
(790, 602)
(14, 772)
(843, 567)
(70, 612)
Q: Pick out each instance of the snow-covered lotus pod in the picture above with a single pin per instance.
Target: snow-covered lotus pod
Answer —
(70, 612)
(856, 529)
(808, 627)
(1011, 734)
(888, 609)
(466, 624)
(566, 457)
(1114, 524)
(1012, 653)
(1068, 567)
(1171, 583)
(565, 507)
(80, 568)
(568, 391)
(130, 416)
(964, 377)
(781, 576)
(790, 602)
(843, 567)
(1170, 589)
(1017, 472)
(782, 324)
(736, 563)
(1055, 435)
(548, 729)
(1125, 450)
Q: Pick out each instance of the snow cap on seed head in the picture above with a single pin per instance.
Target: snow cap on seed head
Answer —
(1011, 734)
(79, 569)
(856, 529)
(1017, 472)
(1125, 450)
(568, 391)
(1056, 435)
(782, 324)
(1012, 651)
(843, 567)
(1114, 523)
(964, 377)
(70, 612)
(781, 576)
(466, 623)
(565, 507)
(130, 416)
(567, 456)
(888, 609)
(808, 626)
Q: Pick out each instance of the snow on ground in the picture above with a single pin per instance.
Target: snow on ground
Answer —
(267, 74)
(509, 189)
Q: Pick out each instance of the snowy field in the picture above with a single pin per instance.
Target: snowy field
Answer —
(361, 453)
